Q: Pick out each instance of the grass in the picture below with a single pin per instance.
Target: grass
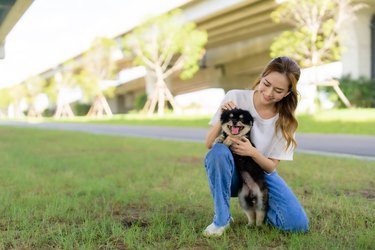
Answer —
(342, 121)
(70, 190)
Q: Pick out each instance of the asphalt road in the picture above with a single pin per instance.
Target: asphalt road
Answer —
(341, 145)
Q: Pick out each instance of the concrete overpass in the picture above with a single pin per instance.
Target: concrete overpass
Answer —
(10, 12)
(240, 33)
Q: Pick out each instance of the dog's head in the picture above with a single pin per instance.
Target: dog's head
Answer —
(236, 122)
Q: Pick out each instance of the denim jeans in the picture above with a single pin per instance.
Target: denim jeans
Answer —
(284, 210)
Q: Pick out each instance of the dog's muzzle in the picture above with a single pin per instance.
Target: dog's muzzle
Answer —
(235, 130)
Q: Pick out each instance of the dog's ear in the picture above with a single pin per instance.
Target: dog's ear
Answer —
(224, 115)
(248, 118)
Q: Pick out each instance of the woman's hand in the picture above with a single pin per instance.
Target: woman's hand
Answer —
(242, 147)
(228, 106)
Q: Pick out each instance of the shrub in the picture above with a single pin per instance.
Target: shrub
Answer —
(360, 92)
(49, 112)
(140, 101)
(80, 109)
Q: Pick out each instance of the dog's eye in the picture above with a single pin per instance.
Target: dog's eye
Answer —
(231, 115)
(241, 116)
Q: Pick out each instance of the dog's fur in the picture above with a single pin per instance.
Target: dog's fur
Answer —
(253, 195)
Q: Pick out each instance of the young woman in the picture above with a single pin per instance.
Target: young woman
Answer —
(272, 103)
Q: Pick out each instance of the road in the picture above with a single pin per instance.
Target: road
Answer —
(360, 146)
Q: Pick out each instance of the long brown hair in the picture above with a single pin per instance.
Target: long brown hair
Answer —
(287, 121)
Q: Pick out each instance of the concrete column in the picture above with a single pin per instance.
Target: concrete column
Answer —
(356, 40)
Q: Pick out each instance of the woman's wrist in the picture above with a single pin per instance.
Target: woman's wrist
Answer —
(265, 163)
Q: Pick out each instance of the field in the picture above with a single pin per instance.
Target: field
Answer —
(70, 190)
(341, 121)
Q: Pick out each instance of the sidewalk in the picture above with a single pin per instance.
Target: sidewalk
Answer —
(358, 146)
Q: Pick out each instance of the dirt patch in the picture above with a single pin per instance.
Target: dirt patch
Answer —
(307, 193)
(190, 160)
(368, 194)
(3, 227)
(132, 215)
(117, 243)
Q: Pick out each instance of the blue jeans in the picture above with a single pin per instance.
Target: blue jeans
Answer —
(284, 210)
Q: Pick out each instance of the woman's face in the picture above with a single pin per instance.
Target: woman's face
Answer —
(273, 87)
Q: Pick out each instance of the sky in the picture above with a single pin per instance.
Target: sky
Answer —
(52, 31)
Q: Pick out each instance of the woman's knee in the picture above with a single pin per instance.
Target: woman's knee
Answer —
(290, 218)
(218, 156)
(302, 225)
(297, 223)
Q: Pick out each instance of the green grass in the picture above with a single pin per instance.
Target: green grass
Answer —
(70, 190)
(343, 121)
(141, 119)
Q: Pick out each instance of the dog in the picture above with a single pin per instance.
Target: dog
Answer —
(253, 195)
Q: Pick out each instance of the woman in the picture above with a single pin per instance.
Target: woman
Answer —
(272, 103)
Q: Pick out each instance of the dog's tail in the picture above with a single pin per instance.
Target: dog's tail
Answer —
(251, 199)
(254, 190)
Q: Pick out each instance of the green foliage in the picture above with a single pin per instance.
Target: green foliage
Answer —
(97, 65)
(140, 101)
(5, 98)
(34, 85)
(166, 42)
(315, 39)
(51, 90)
(80, 109)
(64, 80)
(291, 43)
(297, 44)
(17, 93)
(360, 92)
(48, 112)
(109, 92)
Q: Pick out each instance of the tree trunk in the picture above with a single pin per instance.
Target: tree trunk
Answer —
(159, 96)
(100, 107)
(32, 112)
(64, 110)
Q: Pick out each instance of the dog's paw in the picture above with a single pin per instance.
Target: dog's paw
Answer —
(219, 139)
(227, 141)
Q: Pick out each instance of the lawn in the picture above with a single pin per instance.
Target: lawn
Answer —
(342, 121)
(71, 190)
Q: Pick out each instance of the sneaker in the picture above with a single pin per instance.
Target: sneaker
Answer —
(215, 231)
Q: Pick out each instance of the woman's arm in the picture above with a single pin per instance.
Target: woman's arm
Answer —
(244, 147)
(212, 134)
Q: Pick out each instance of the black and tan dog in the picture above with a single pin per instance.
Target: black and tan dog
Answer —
(253, 195)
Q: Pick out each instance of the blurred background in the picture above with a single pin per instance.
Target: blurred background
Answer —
(95, 58)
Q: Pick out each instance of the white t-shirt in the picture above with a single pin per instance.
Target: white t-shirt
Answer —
(263, 136)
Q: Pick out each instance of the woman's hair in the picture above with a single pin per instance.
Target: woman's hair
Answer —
(287, 122)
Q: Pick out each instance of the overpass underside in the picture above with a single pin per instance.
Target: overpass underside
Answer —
(239, 38)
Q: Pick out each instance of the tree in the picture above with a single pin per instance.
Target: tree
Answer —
(315, 38)
(64, 81)
(5, 101)
(98, 65)
(34, 87)
(166, 45)
(17, 94)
